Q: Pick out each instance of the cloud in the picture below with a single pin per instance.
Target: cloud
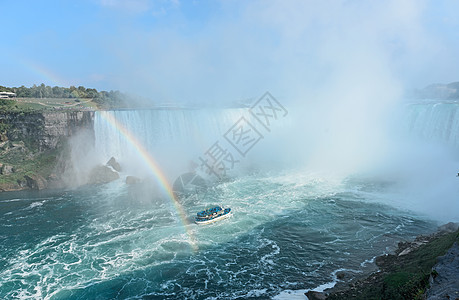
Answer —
(268, 45)
(296, 49)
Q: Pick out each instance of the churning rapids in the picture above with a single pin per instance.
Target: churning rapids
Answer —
(291, 230)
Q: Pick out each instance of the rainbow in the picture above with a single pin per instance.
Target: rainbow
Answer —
(130, 138)
(43, 73)
(156, 171)
(46, 76)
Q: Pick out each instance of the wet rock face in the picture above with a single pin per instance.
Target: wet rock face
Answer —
(45, 130)
(58, 124)
(102, 174)
(312, 295)
(444, 281)
(114, 164)
(28, 135)
(35, 182)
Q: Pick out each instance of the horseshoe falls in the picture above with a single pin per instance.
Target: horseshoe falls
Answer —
(294, 224)
(434, 121)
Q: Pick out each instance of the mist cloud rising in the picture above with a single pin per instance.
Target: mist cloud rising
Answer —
(296, 49)
(340, 67)
(223, 51)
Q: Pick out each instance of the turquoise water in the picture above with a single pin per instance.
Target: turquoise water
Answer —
(288, 232)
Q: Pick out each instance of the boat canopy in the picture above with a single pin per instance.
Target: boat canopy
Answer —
(209, 211)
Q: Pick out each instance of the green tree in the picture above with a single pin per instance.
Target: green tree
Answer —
(42, 90)
(6, 104)
(75, 94)
(48, 92)
(23, 92)
(82, 92)
(57, 92)
(91, 93)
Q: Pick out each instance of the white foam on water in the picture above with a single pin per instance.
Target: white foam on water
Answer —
(36, 204)
(291, 295)
(256, 293)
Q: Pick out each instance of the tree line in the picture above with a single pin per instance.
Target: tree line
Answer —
(104, 99)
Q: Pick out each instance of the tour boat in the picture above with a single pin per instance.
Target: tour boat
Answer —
(212, 215)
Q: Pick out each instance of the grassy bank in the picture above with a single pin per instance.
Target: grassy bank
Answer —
(50, 104)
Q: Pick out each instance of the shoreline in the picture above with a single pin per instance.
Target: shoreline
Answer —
(390, 268)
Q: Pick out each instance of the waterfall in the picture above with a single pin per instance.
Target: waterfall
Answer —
(173, 137)
(177, 138)
(436, 122)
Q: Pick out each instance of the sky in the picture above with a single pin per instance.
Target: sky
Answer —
(217, 51)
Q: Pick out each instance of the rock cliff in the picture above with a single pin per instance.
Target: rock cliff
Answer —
(31, 144)
(43, 130)
(405, 274)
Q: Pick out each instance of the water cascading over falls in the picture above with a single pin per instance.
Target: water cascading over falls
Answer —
(172, 137)
(436, 122)
(177, 137)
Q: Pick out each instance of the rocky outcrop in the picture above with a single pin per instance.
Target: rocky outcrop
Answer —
(65, 124)
(6, 169)
(102, 174)
(114, 164)
(405, 273)
(107, 173)
(35, 182)
(444, 279)
(313, 295)
(32, 142)
(44, 130)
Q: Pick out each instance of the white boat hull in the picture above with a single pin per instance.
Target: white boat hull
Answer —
(222, 217)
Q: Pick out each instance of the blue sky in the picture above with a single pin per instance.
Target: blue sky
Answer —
(176, 50)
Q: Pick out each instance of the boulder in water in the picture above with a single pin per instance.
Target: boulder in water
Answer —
(313, 295)
(114, 164)
(102, 174)
(132, 180)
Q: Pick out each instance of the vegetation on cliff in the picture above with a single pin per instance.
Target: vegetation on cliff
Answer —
(35, 127)
(404, 274)
(33, 143)
(21, 167)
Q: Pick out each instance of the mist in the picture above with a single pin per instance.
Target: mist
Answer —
(350, 166)
(301, 50)
(340, 68)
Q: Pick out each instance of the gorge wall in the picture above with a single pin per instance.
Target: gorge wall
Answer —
(31, 145)
(44, 130)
